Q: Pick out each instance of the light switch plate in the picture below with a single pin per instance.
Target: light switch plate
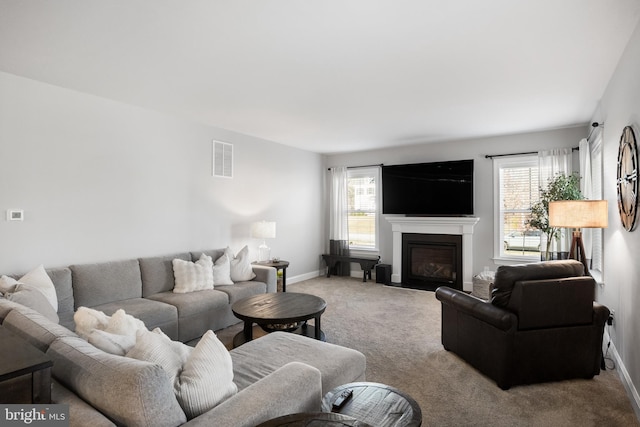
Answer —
(15, 215)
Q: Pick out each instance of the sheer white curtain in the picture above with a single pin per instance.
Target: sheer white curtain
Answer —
(338, 203)
(586, 187)
(551, 163)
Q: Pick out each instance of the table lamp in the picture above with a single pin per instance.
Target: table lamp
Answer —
(263, 230)
(578, 214)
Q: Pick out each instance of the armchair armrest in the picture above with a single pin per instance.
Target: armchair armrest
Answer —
(295, 387)
(266, 275)
(600, 314)
(475, 307)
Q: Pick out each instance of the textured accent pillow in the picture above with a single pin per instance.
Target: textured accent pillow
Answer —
(241, 269)
(222, 271)
(193, 276)
(111, 343)
(202, 377)
(39, 279)
(30, 296)
(88, 319)
(122, 323)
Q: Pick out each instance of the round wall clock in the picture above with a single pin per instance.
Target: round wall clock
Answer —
(628, 179)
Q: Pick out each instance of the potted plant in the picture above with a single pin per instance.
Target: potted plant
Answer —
(560, 187)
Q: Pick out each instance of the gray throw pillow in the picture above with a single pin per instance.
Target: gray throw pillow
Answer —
(30, 296)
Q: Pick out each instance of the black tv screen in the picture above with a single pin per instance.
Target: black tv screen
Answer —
(428, 189)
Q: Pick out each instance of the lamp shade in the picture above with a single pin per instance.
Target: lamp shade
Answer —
(263, 230)
(579, 214)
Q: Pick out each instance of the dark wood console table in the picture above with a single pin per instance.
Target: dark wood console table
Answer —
(366, 263)
(25, 371)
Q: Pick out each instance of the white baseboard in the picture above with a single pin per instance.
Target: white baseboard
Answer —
(632, 392)
(305, 276)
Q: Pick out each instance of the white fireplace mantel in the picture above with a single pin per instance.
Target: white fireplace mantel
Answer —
(461, 226)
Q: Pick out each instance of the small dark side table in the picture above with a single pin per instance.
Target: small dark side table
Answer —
(366, 263)
(278, 265)
(25, 371)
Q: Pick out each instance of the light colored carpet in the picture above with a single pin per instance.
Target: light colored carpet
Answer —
(399, 332)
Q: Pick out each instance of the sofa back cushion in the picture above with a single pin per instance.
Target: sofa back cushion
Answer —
(61, 278)
(213, 253)
(130, 392)
(102, 283)
(157, 273)
(508, 275)
(553, 302)
(34, 327)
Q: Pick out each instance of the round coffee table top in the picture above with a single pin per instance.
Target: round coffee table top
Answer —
(313, 419)
(282, 307)
(376, 404)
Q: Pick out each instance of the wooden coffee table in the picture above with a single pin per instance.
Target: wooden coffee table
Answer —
(377, 404)
(279, 312)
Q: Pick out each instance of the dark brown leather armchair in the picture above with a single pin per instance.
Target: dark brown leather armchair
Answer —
(540, 325)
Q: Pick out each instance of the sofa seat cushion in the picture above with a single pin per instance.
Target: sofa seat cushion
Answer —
(80, 412)
(154, 314)
(258, 358)
(193, 303)
(242, 290)
(130, 392)
(198, 311)
(33, 326)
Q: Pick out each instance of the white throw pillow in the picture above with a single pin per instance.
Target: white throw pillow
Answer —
(7, 284)
(202, 377)
(122, 323)
(241, 269)
(222, 271)
(111, 343)
(193, 276)
(88, 319)
(37, 278)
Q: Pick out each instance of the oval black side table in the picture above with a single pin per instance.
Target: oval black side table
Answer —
(313, 419)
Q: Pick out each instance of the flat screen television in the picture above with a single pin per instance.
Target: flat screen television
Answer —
(428, 189)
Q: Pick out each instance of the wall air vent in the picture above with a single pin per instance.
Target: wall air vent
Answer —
(222, 159)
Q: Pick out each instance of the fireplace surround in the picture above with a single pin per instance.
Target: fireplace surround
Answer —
(456, 226)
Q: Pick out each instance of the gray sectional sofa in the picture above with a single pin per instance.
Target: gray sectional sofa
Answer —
(276, 375)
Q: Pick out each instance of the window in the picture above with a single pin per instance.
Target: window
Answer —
(362, 194)
(596, 191)
(517, 189)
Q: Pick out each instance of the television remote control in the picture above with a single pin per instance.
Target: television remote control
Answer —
(342, 399)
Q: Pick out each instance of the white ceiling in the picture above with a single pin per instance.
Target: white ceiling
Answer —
(331, 75)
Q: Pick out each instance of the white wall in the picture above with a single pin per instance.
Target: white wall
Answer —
(100, 180)
(620, 107)
(475, 149)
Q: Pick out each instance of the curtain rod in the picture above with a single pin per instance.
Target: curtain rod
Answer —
(594, 126)
(363, 166)
(491, 156)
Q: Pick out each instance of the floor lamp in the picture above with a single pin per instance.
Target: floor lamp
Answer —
(578, 214)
